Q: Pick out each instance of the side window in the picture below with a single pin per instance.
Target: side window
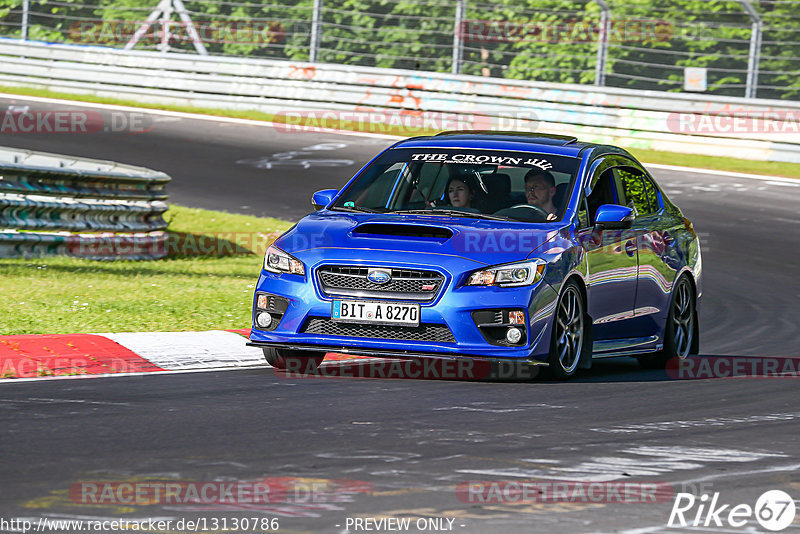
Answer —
(652, 194)
(603, 193)
(633, 189)
(583, 213)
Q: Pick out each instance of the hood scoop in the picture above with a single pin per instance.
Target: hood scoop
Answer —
(403, 230)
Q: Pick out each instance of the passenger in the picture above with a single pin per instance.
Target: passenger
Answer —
(460, 193)
(540, 188)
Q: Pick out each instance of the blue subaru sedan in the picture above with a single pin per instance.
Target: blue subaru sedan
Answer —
(486, 245)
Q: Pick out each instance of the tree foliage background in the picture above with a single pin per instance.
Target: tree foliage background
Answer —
(650, 43)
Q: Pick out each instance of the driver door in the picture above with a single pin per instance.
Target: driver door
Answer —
(612, 264)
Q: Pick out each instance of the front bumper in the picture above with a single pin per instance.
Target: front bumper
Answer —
(452, 309)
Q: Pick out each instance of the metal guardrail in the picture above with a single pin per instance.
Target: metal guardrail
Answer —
(635, 119)
(41, 194)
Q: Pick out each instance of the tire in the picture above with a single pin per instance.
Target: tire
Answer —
(298, 361)
(680, 332)
(569, 339)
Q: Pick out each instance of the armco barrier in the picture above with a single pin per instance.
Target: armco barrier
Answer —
(42, 194)
(636, 119)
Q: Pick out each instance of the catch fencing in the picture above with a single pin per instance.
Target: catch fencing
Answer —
(303, 93)
(730, 47)
(52, 204)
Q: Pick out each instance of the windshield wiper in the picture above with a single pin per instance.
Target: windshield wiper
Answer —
(357, 209)
(452, 213)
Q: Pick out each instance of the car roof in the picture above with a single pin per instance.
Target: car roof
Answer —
(542, 143)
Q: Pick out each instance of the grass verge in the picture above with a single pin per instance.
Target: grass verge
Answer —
(724, 163)
(59, 295)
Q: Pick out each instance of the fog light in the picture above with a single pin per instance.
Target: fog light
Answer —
(513, 335)
(516, 317)
(264, 319)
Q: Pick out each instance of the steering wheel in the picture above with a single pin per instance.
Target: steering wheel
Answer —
(536, 209)
(524, 212)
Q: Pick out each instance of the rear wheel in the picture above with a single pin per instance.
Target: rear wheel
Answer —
(569, 333)
(299, 361)
(680, 330)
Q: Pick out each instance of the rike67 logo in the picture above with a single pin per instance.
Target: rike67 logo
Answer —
(774, 510)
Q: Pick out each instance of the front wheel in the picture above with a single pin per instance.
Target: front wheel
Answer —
(569, 333)
(681, 328)
(298, 361)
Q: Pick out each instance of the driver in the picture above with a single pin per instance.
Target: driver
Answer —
(540, 188)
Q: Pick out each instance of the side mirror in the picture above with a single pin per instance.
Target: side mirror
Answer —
(614, 217)
(320, 199)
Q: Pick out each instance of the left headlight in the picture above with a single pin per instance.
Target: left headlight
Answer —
(524, 273)
(277, 261)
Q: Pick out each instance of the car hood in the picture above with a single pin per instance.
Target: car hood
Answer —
(414, 239)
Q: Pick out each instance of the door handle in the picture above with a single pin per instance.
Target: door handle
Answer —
(630, 248)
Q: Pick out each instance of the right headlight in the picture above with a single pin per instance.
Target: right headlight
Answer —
(277, 261)
(524, 273)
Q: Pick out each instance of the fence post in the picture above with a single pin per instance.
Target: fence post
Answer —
(602, 43)
(26, 8)
(458, 41)
(152, 18)
(754, 56)
(197, 41)
(316, 31)
(166, 20)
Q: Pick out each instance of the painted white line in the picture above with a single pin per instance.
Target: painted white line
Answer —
(773, 469)
(176, 351)
(185, 115)
(251, 122)
(37, 400)
(494, 410)
(728, 174)
(703, 454)
(139, 373)
(487, 410)
(662, 426)
(644, 461)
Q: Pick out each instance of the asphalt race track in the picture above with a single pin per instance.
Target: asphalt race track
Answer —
(387, 448)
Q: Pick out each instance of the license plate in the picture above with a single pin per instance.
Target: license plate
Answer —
(361, 311)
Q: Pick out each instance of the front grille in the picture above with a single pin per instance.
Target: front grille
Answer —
(433, 333)
(406, 284)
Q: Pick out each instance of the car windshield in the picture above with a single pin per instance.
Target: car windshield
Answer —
(490, 184)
